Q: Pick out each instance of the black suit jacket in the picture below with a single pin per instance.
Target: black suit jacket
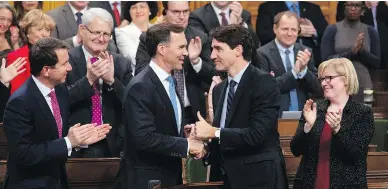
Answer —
(267, 12)
(249, 142)
(270, 60)
(153, 146)
(205, 19)
(382, 26)
(111, 99)
(348, 149)
(196, 83)
(37, 155)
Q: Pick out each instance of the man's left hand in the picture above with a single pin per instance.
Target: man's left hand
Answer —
(203, 130)
(194, 49)
(108, 78)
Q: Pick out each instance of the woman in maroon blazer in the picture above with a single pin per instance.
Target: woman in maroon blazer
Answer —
(35, 25)
(333, 135)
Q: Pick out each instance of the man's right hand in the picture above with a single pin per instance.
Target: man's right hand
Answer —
(79, 133)
(96, 70)
(197, 148)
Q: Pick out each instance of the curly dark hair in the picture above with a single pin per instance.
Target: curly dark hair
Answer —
(20, 10)
(5, 5)
(126, 6)
(234, 35)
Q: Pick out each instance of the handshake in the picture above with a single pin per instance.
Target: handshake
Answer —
(196, 133)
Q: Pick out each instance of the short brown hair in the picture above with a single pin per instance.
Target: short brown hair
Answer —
(160, 33)
(36, 17)
(280, 15)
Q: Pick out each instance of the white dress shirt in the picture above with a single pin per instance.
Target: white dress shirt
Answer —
(75, 43)
(45, 92)
(118, 6)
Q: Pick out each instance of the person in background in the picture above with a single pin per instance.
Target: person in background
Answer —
(375, 15)
(36, 122)
(137, 16)
(333, 134)
(6, 76)
(9, 30)
(352, 39)
(22, 7)
(312, 23)
(34, 26)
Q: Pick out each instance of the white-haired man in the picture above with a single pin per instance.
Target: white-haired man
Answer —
(107, 72)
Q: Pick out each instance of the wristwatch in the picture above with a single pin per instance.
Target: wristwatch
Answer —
(217, 133)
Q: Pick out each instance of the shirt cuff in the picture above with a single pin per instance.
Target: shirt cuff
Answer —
(188, 148)
(245, 25)
(197, 67)
(302, 73)
(294, 74)
(68, 144)
(75, 43)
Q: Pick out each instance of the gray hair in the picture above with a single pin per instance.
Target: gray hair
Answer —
(93, 13)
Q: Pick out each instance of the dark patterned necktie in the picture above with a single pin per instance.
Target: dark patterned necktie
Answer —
(79, 18)
(224, 21)
(180, 84)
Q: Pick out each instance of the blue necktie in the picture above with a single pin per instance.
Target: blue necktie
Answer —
(229, 101)
(174, 103)
(293, 95)
(79, 17)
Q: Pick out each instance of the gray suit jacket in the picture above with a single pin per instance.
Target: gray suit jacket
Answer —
(65, 24)
(270, 60)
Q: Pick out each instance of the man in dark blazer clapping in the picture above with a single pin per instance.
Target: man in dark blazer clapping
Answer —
(108, 76)
(198, 69)
(218, 13)
(290, 63)
(244, 134)
(36, 122)
(313, 23)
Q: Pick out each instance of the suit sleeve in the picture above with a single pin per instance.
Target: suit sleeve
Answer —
(372, 58)
(264, 25)
(142, 57)
(352, 144)
(264, 116)
(4, 96)
(122, 79)
(138, 109)
(299, 143)
(19, 131)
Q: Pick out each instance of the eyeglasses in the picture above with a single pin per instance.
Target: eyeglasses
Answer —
(355, 6)
(99, 33)
(179, 12)
(328, 78)
(5, 20)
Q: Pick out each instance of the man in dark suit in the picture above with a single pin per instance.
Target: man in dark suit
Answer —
(290, 63)
(219, 13)
(198, 70)
(313, 23)
(36, 122)
(67, 20)
(244, 134)
(375, 14)
(108, 76)
(154, 112)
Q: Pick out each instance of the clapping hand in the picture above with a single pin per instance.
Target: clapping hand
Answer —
(310, 114)
(13, 70)
(334, 120)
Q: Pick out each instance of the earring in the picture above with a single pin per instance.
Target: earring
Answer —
(28, 35)
(150, 14)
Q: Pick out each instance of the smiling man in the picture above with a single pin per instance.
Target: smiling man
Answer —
(244, 134)
(290, 63)
(108, 76)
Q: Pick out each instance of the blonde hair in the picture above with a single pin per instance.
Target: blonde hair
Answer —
(344, 67)
(36, 18)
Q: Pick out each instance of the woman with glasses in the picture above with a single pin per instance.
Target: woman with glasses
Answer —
(34, 26)
(358, 42)
(333, 134)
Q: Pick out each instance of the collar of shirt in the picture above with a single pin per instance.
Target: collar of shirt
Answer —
(218, 11)
(238, 77)
(42, 88)
(86, 53)
(118, 5)
(283, 49)
(75, 11)
(290, 3)
(162, 74)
